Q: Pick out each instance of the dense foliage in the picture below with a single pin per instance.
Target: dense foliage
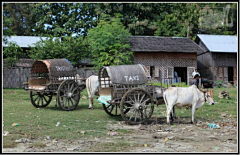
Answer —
(71, 48)
(12, 53)
(65, 20)
(109, 43)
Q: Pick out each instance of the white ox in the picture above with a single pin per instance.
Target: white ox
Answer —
(186, 96)
(92, 87)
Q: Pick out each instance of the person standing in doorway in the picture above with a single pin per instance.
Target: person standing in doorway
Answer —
(175, 76)
(195, 72)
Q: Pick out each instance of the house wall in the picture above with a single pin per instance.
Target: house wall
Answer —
(221, 63)
(205, 65)
(214, 66)
(163, 60)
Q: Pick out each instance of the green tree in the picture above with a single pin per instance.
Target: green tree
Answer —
(12, 54)
(109, 43)
(63, 19)
(18, 19)
(71, 48)
(171, 22)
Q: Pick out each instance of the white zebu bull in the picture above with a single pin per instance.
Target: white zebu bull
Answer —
(188, 96)
(92, 87)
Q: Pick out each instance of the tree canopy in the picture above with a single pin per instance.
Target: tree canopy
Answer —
(109, 42)
(63, 19)
(99, 33)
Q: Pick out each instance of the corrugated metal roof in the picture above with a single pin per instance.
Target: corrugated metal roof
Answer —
(24, 41)
(163, 44)
(220, 43)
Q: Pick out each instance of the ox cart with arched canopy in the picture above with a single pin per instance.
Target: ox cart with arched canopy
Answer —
(54, 77)
(127, 90)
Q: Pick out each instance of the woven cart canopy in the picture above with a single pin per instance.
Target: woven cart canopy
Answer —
(54, 67)
(127, 74)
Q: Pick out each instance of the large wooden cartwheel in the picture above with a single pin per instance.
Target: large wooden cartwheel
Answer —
(140, 103)
(68, 95)
(40, 99)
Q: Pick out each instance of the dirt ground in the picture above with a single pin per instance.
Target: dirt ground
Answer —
(155, 136)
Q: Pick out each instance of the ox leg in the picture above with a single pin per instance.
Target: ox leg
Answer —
(193, 111)
(90, 103)
(169, 109)
(173, 114)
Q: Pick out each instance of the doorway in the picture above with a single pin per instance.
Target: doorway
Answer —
(182, 72)
(152, 69)
(230, 75)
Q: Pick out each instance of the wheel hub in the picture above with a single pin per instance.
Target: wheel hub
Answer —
(138, 106)
(69, 95)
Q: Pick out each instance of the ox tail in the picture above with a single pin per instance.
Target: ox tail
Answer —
(165, 99)
(88, 87)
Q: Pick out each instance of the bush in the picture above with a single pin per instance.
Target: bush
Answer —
(12, 53)
(71, 48)
(109, 43)
(219, 84)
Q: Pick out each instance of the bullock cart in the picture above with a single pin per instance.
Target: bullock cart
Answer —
(54, 77)
(127, 90)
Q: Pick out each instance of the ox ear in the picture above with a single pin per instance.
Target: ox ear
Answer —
(204, 91)
(211, 92)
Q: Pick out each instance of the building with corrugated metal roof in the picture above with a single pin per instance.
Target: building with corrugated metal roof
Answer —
(162, 56)
(218, 60)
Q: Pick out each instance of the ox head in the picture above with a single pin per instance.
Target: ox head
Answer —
(208, 96)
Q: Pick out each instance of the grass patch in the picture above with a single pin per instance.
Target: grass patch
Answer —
(41, 122)
(8, 142)
(39, 145)
(117, 146)
(37, 123)
(182, 84)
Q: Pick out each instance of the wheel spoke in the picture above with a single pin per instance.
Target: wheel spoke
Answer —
(135, 116)
(45, 99)
(35, 99)
(135, 97)
(38, 100)
(146, 100)
(71, 101)
(63, 101)
(138, 96)
(68, 87)
(132, 114)
(75, 89)
(130, 99)
(116, 110)
(108, 106)
(112, 107)
(71, 87)
(142, 98)
(42, 100)
(68, 105)
(129, 102)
